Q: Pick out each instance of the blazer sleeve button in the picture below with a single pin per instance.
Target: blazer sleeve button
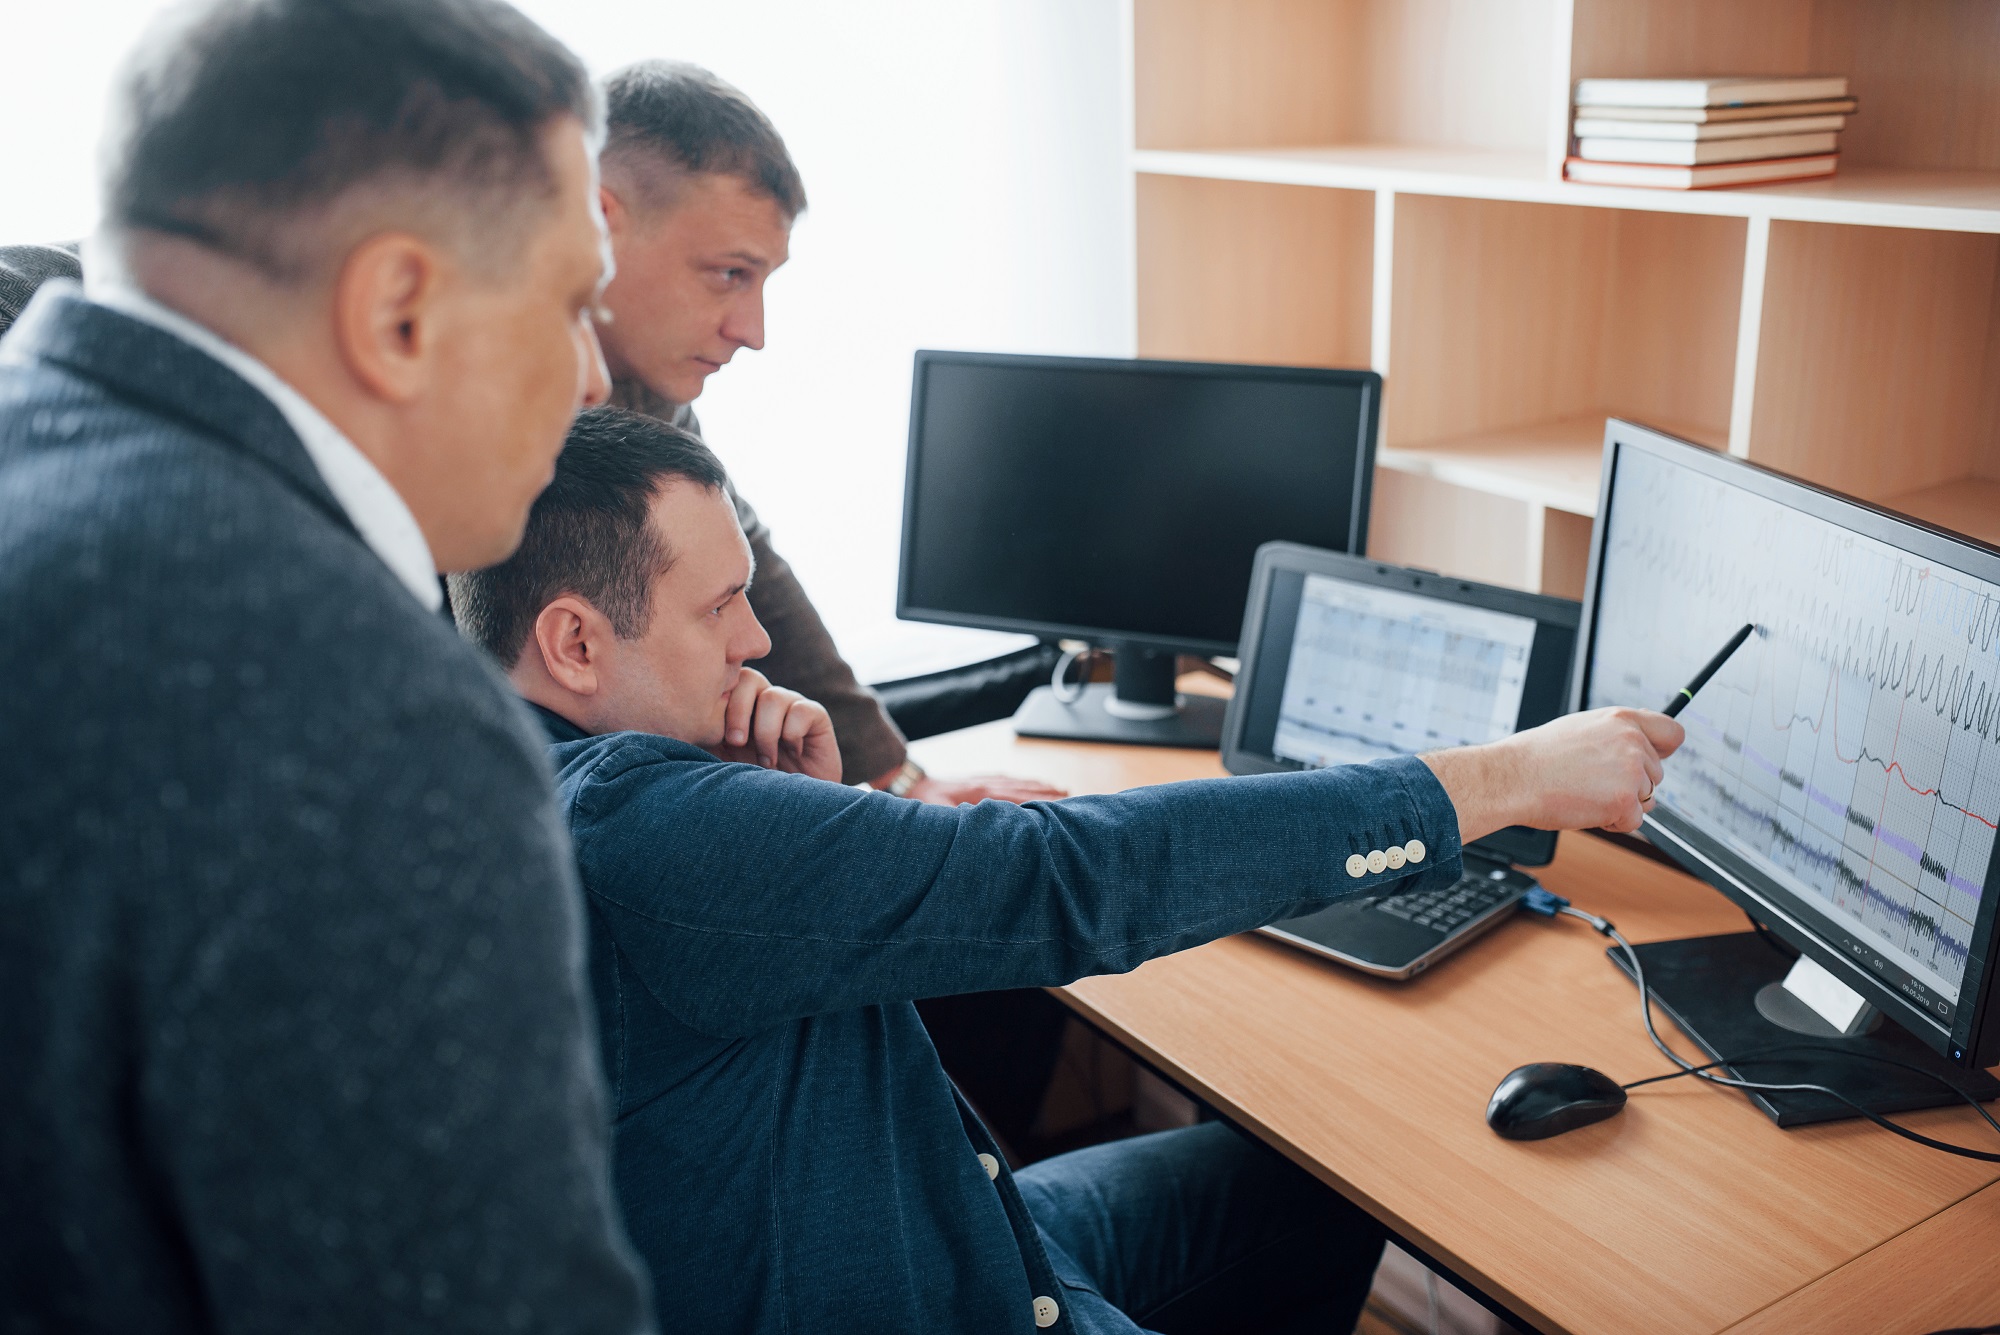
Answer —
(1357, 866)
(1378, 862)
(1414, 850)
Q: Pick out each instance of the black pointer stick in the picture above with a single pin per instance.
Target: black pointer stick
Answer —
(1680, 701)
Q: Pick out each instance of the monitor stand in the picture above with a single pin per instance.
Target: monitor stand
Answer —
(1140, 708)
(1726, 993)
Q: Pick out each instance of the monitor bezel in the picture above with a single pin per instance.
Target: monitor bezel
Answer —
(1369, 383)
(1518, 845)
(1973, 1040)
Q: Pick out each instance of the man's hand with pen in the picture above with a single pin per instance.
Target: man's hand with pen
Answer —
(1597, 769)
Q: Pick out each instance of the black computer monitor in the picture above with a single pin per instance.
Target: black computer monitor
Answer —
(1841, 774)
(1122, 502)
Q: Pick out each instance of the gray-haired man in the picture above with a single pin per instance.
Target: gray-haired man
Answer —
(295, 1033)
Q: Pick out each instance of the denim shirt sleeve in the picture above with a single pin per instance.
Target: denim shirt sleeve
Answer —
(745, 898)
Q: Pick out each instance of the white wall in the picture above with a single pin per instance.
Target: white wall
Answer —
(965, 166)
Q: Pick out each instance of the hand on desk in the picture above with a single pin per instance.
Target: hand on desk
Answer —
(1597, 768)
(950, 792)
(779, 729)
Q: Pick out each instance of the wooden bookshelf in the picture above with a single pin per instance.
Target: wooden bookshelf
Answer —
(1939, 200)
(1549, 464)
(1378, 182)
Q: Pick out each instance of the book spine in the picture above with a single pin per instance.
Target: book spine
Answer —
(1653, 176)
(1693, 152)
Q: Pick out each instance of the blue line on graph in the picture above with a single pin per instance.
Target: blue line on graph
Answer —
(1916, 921)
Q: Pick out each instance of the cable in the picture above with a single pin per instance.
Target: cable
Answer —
(1064, 692)
(1755, 1055)
(1764, 935)
(1705, 1071)
(1068, 692)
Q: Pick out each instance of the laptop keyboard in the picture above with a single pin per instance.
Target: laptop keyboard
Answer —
(1451, 907)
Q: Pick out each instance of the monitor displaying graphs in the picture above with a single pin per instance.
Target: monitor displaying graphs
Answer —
(1848, 750)
(1376, 672)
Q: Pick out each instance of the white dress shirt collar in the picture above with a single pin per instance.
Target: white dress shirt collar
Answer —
(376, 510)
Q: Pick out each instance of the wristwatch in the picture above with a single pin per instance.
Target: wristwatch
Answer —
(908, 775)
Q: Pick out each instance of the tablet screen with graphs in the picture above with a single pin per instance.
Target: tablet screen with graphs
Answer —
(1348, 659)
(1845, 762)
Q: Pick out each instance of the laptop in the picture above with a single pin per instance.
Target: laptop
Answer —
(1346, 660)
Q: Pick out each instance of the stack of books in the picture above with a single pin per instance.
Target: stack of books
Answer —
(1685, 134)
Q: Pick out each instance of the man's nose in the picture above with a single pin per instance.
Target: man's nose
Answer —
(745, 326)
(751, 642)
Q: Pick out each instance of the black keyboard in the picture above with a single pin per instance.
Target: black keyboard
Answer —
(1451, 907)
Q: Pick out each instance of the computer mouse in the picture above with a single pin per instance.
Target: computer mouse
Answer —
(1548, 1098)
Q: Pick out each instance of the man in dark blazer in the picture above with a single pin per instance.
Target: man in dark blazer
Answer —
(757, 939)
(290, 956)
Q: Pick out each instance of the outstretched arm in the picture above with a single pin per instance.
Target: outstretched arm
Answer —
(746, 898)
(1583, 771)
(979, 788)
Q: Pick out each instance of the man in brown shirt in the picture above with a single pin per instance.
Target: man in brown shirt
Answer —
(700, 195)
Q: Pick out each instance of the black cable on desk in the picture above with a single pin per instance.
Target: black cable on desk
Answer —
(1706, 1071)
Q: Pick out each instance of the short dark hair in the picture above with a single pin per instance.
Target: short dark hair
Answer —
(668, 120)
(588, 534)
(235, 118)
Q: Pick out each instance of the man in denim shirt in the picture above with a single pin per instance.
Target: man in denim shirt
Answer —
(790, 1156)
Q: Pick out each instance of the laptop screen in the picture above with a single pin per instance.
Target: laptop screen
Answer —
(1347, 660)
(1378, 672)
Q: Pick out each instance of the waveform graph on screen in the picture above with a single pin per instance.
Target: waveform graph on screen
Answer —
(1377, 672)
(1849, 749)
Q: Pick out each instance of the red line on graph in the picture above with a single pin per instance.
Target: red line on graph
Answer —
(1895, 767)
(1882, 808)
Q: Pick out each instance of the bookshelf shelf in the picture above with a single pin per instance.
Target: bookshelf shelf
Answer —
(1378, 183)
(1929, 199)
(1553, 465)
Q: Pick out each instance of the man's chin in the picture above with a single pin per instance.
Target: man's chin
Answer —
(489, 546)
(691, 384)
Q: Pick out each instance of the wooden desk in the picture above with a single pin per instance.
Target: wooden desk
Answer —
(1690, 1212)
(1937, 1275)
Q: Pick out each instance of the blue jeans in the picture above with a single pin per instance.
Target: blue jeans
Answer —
(1200, 1230)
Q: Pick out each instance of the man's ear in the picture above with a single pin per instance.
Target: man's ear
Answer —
(572, 638)
(385, 312)
(617, 218)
